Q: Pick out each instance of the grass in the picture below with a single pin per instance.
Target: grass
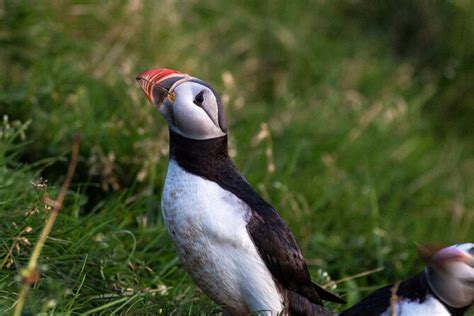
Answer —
(354, 128)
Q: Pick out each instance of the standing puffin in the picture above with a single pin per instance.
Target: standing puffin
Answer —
(445, 287)
(234, 245)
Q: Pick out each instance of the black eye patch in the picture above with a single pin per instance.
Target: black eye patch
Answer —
(220, 106)
(199, 98)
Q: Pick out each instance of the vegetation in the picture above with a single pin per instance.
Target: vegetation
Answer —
(354, 120)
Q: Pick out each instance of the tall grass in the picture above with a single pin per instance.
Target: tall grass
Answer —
(332, 124)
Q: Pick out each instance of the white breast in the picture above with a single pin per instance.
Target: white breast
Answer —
(208, 227)
(430, 306)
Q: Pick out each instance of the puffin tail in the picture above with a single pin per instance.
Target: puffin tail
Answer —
(328, 296)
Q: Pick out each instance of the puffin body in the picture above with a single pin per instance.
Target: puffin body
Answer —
(445, 288)
(208, 226)
(234, 245)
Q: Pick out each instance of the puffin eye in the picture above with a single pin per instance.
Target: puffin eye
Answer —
(199, 98)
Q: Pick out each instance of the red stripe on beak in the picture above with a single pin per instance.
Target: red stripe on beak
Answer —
(150, 78)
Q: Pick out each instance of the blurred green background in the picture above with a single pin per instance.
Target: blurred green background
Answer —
(355, 119)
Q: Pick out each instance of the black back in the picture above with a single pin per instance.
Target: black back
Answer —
(413, 289)
(272, 238)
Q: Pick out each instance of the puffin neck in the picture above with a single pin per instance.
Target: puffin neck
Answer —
(210, 159)
(200, 157)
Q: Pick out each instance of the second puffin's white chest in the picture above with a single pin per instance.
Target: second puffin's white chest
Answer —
(431, 306)
(208, 227)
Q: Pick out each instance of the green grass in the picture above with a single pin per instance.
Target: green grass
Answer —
(367, 147)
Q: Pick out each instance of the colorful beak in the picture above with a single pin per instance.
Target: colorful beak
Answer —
(451, 254)
(156, 83)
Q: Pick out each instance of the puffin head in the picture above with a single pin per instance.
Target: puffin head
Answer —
(190, 106)
(450, 274)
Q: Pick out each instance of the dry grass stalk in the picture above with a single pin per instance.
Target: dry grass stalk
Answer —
(30, 275)
(352, 277)
(394, 298)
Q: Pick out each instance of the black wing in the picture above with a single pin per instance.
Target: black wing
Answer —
(373, 305)
(282, 256)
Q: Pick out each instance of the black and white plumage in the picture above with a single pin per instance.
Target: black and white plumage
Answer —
(234, 245)
(445, 287)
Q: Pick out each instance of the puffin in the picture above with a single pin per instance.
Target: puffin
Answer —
(232, 243)
(445, 287)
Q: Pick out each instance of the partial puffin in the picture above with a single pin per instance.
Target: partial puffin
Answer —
(445, 287)
(234, 245)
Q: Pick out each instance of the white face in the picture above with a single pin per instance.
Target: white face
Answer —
(194, 113)
(450, 274)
